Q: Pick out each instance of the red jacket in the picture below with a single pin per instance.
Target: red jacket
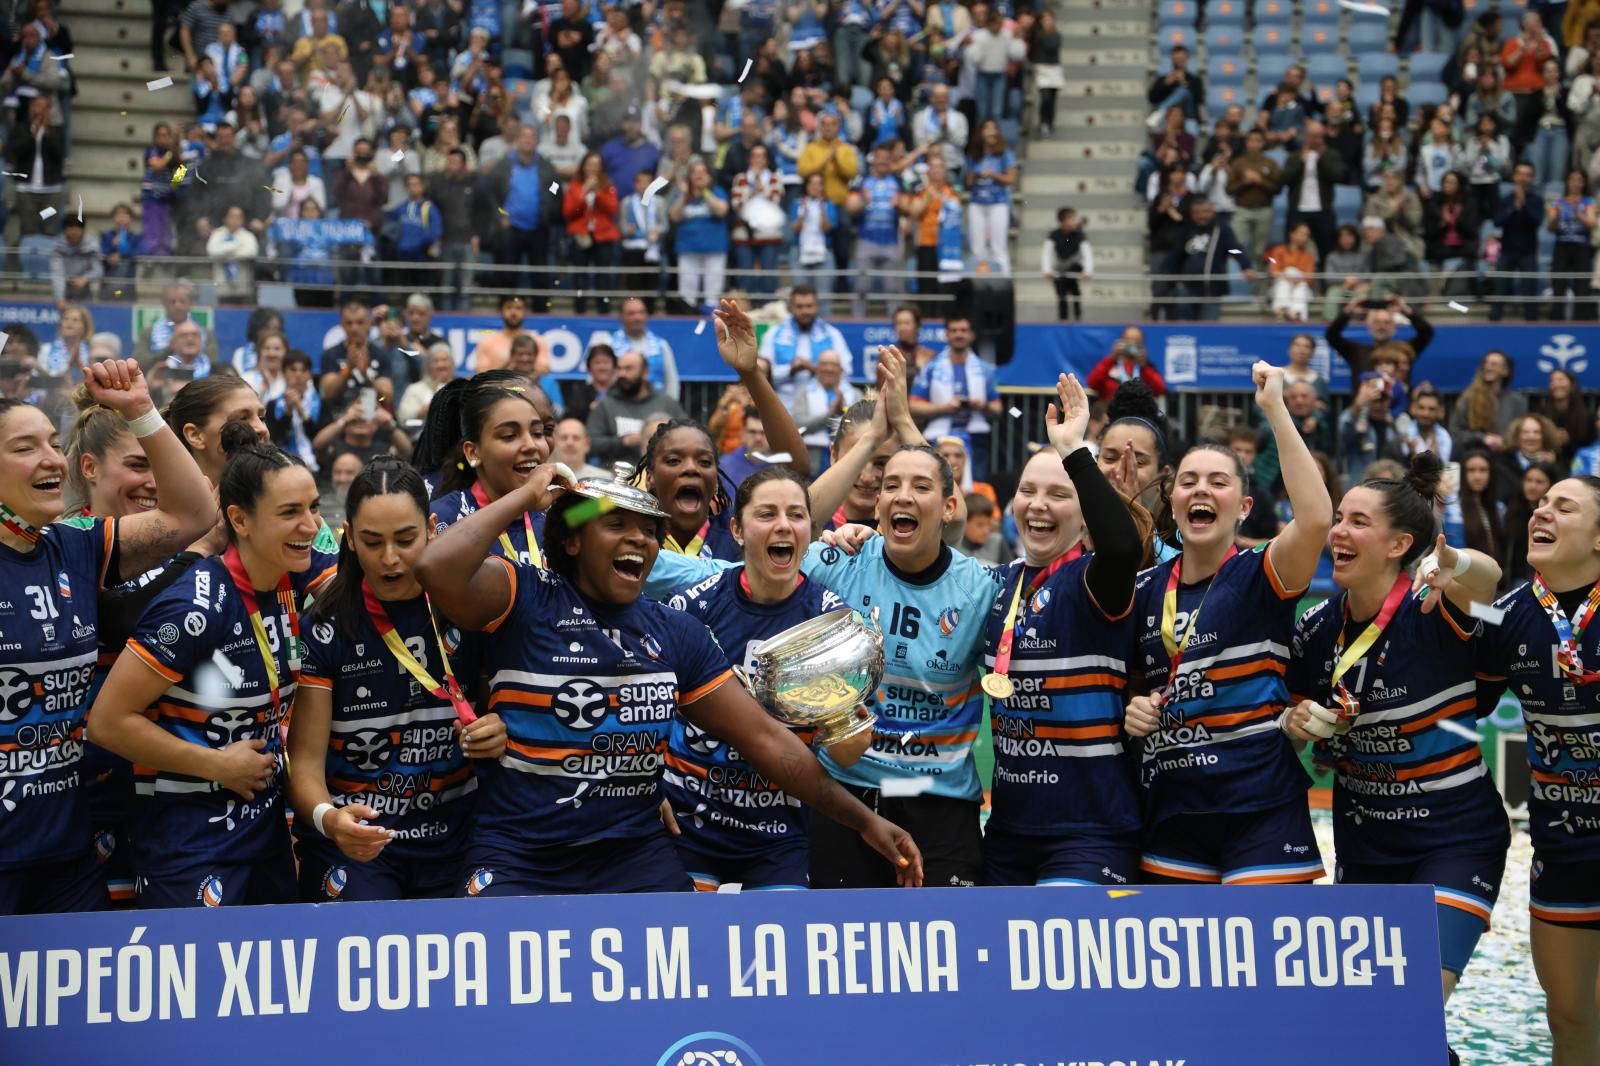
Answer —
(1113, 370)
(599, 220)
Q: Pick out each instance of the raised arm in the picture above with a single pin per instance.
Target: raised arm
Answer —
(828, 492)
(1117, 547)
(1295, 551)
(736, 343)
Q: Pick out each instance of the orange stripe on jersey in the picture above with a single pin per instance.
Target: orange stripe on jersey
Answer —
(1266, 710)
(684, 765)
(511, 600)
(1449, 710)
(519, 696)
(529, 751)
(1287, 877)
(1245, 669)
(946, 738)
(1489, 677)
(152, 662)
(109, 532)
(1180, 873)
(1455, 627)
(1565, 916)
(1474, 908)
(686, 698)
(1545, 777)
(1077, 732)
(307, 681)
(1439, 766)
(440, 782)
(167, 709)
(1085, 681)
(1274, 580)
(321, 580)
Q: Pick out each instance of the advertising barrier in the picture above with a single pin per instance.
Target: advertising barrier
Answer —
(1174, 976)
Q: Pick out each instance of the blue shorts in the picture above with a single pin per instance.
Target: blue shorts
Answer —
(1019, 859)
(647, 865)
(1465, 887)
(328, 874)
(115, 856)
(785, 866)
(269, 879)
(1271, 847)
(1565, 893)
(54, 888)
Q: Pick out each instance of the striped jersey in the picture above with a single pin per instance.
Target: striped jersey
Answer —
(48, 619)
(196, 633)
(452, 507)
(1562, 718)
(589, 693)
(722, 803)
(393, 745)
(1059, 762)
(929, 705)
(1218, 748)
(1409, 779)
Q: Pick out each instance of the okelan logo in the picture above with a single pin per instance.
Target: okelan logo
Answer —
(710, 1049)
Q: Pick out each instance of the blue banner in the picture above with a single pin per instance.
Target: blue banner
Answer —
(1193, 357)
(1179, 976)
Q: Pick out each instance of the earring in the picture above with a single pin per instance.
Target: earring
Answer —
(473, 463)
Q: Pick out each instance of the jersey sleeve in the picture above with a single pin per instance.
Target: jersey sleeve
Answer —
(1267, 574)
(529, 592)
(320, 665)
(673, 572)
(179, 626)
(1303, 676)
(323, 566)
(90, 546)
(829, 566)
(699, 664)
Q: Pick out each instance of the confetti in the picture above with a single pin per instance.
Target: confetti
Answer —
(342, 113)
(4, 338)
(699, 327)
(158, 84)
(201, 180)
(653, 188)
(1271, 260)
(1015, 412)
(774, 459)
(1457, 305)
(48, 213)
(13, 174)
(1121, 893)
(1491, 614)
(906, 738)
(745, 73)
(1363, 8)
(503, 211)
(278, 192)
(408, 351)
(399, 156)
(63, 57)
(179, 174)
(555, 187)
(1235, 251)
(904, 786)
(80, 207)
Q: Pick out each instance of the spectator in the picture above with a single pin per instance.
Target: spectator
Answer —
(991, 174)
(68, 353)
(743, 140)
(75, 267)
(956, 393)
(1399, 208)
(176, 303)
(991, 49)
(942, 129)
(1564, 405)
(104, 345)
(493, 350)
(1450, 225)
(520, 184)
(819, 402)
(36, 147)
(1385, 151)
(293, 185)
(980, 537)
(1128, 358)
(184, 361)
(1530, 439)
(833, 158)
(935, 211)
(353, 365)
(1312, 422)
(1488, 404)
(360, 191)
(629, 152)
(229, 61)
(1284, 114)
(757, 200)
(908, 338)
(635, 335)
(483, 159)
(233, 250)
(1436, 156)
(1381, 327)
(590, 207)
(640, 225)
(1486, 160)
(1389, 104)
(354, 432)
(1425, 430)
(1572, 219)
(441, 370)
(793, 347)
(396, 161)
(1173, 134)
(463, 212)
(417, 226)
(1178, 87)
(601, 363)
(1524, 55)
(1489, 97)
(564, 150)
(571, 445)
(886, 117)
(812, 221)
(1201, 260)
(35, 74)
(1541, 129)
(1529, 490)
(1292, 266)
(266, 374)
(1366, 426)
(1168, 214)
(1482, 511)
(1212, 181)
(1067, 258)
(119, 251)
(1302, 349)
(351, 116)
(1044, 59)
(1587, 459)
(233, 180)
(1345, 133)
(299, 133)
(617, 420)
(700, 214)
(322, 34)
(1521, 213)
(1309, 178)
(418, 334)
(1583, 109)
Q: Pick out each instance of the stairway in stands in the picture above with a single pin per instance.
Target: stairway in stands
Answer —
(114, 112)
(1089, 161)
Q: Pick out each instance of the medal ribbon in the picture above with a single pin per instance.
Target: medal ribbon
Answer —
(1568, 656)
(14, 523)
(691, 549)
(1008, 629)
(505, 539)
(451, 689)
(744, 582)
(247, 594)
(1169, 614)
(1344, 658)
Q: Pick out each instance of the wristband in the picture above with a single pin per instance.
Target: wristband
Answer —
(318, 813)
(147, 425)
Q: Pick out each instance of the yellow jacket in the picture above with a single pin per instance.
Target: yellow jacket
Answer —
(838, 163)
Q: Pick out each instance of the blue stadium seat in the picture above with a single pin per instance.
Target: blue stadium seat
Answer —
(1224, 13)
(1224, 40)
(1320, 39)
(1274, 13)
(1428, 66)
(1347, 202)
(1226, 69)
(1270, 69)
(1368, 34)
(1325, 68)
(1426, 92)
(1168, 36)
(1279, 156)
(1222, 95)
(1178, 13)
(861, 99)
(1320, 11)
(1375, 65)
(1272, 40)
(1366, 96)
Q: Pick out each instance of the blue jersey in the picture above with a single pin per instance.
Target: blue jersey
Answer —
(722, 803)
(880, 221)
(1219, 748)
(1409, 779)
(589, 694)
(1562, 717)
(452, 507)
(717, 541)
(196, 633)
(982, 178)
(392, 745)
(48, 624)
(1059, 763)
(929, 706)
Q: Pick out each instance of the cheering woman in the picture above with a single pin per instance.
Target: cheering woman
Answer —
(1382, 681)
(1225, 793)
(1064, 809)
(52, 573)
(1548, 652)
(383, 731)
(197, 699)
(589, 677)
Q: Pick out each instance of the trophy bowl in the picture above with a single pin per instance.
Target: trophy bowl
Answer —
(814, 675)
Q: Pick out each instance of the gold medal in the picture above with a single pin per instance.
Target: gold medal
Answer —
(998, 686)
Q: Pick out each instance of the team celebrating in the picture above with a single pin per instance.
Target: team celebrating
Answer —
(497, 679)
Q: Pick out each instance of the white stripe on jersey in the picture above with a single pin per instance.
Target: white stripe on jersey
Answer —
(521, 677)
(1438, 699)
(1238, 651)
(1071, 662)
(673, 777)
(1442, 784)
(1267, 726)
(1561, 721)
(420, 716)
(930, 685)
(1067, 749)
(34, 669)
(211, 701)
(162, 784)
(510, 762)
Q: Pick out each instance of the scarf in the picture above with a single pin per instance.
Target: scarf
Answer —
(299, 440)
(941, 390)
(788, 341)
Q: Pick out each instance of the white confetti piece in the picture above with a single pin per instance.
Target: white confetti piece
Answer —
(408, 351)
(399, 156)
(699, 327)
(774, 459)
(1271, 260)
(906, 737)
(4, 337)
(63, 57)
(1457, 305)
(1488, 612)
(653, 188)
(201, 180)
(12, 174)
(555, 187)
(1363, 8)
(745, 73)
(80, 207)
(158, 84)
(1015, 412)
(1235, 251)
(48, 213)
(904, 786)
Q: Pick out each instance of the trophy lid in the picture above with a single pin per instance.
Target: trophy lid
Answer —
(619, 493)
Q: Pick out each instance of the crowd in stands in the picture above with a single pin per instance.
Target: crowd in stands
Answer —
(1485, 191)
(672, 148)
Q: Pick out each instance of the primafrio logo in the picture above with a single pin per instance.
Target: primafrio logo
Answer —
(1563, 353)
(710, 1049)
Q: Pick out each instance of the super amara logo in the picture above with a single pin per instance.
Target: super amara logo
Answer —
(1563, 353)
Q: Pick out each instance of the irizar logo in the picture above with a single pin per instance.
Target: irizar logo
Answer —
(1563, 353)
(579, 704)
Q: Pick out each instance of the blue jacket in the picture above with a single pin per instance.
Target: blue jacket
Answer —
(421, 226)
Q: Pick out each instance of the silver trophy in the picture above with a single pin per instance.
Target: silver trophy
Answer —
(815, 674)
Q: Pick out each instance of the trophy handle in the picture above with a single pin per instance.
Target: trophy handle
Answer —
(744, 679)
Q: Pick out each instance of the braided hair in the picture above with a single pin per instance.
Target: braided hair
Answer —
(643, 478)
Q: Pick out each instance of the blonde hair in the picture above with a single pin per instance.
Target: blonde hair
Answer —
(95, 432)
